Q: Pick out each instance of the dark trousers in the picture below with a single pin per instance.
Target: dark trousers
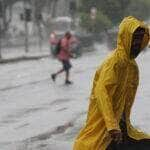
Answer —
(129, 143)
(66, 65)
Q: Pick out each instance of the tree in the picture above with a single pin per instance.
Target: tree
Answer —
(97, 25)
(6, 5)
(140, 9)
(111, 12)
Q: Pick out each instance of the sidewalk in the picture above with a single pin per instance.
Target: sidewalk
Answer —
(11, 55)
(23, 57)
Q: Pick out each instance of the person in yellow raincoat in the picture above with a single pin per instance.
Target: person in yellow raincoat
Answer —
(114, 88)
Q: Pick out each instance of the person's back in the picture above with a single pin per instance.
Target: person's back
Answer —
(64, 51)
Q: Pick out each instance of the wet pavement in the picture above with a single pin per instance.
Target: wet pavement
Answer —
(37, 114)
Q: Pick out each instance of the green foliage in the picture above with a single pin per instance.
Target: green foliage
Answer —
(85, 5)
(100, 23)
(112, 9)
(111, 12)
(139, 9)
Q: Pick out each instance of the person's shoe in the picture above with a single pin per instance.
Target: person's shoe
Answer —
(53, 76)
(68, 82)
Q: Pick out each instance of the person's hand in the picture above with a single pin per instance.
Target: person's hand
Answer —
(116, 135)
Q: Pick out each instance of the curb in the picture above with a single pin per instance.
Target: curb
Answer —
(22, 58)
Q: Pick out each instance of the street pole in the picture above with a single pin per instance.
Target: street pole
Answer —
(1, 25)
(72, 8)
(26, 29)
(40, 36)
(26, 37)
(37, 18)
(38, 21)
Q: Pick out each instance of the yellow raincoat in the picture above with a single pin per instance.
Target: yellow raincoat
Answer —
(114, 88)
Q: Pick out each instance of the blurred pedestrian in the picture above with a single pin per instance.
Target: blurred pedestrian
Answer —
(64, 57)
(115, 84)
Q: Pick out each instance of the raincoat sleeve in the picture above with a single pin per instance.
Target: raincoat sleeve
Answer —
(104, 91)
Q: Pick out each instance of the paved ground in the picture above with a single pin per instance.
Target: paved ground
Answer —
(36, 114)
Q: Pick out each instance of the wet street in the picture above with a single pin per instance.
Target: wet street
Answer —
(37, 114)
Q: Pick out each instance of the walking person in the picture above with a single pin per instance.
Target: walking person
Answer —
(108, 125)
(64, 57)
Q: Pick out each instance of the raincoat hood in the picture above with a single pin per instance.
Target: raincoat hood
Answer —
(126, 30)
